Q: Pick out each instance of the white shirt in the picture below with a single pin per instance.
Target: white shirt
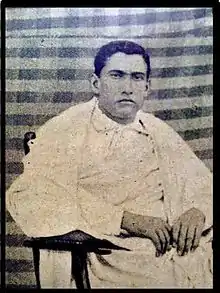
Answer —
(84, 170)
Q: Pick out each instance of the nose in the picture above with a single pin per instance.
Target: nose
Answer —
(127, 87)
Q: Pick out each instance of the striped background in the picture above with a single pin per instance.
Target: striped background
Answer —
(49, 60)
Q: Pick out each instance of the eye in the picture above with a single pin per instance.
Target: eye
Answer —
(116, 75)
(138, 76)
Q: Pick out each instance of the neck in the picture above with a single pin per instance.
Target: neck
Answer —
(124, 120)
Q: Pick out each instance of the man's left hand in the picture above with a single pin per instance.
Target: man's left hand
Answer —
(187, 230)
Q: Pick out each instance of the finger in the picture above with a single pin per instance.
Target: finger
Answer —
(167, 243)
(189, 238)
(175, 233)
(168, 227)
(162, 240)
(157, 243)
(196, 238)
(157, 253)
(176, 230)
(170, 238)
(181, 239)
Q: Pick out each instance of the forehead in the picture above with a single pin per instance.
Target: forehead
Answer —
(127, 63)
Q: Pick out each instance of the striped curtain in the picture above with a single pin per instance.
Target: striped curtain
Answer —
(49, 61)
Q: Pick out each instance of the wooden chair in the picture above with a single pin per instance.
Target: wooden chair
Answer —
(77, 242)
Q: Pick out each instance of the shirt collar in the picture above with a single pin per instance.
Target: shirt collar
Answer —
(102, 123)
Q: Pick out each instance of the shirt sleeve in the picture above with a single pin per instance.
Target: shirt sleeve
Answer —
(188, 181)
(41, 200)
(44, 199)
(99, 216)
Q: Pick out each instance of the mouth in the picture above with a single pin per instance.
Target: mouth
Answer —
(126, 101)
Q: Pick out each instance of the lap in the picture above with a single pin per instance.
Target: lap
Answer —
(133, 269)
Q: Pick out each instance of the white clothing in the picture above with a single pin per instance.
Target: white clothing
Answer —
(84, 170)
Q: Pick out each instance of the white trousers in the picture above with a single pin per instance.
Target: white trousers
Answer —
(133, 269)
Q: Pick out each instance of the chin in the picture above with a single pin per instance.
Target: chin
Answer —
(127, 114)
(128, 111)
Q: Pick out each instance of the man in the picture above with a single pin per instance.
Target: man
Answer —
(115, 172)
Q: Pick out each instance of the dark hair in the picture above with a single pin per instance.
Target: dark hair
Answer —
(126, 47)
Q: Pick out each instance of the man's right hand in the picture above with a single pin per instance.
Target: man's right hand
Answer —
(154, 228)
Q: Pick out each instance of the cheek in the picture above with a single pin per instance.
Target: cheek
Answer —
(110, 88)
(139, 87)
(139, 93)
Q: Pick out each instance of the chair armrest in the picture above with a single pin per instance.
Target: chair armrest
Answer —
(72, 241)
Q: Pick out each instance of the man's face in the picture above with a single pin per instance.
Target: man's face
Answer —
(122, 85)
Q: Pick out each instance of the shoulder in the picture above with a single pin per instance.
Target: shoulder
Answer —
(71, 120)
(174, 150)
(154, 124)
(66, 129)
(163, 134)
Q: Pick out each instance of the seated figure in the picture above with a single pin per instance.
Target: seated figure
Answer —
(109, 169)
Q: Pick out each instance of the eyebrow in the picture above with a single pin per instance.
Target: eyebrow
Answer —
(117, 71)
(137, 72)
(123, 72)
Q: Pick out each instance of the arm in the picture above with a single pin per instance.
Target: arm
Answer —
(133, 223)
(45, 199)
(188, 181)
(153, 228)
(39, 200)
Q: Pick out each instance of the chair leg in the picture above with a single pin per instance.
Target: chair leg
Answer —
(80, 269)
(36, 256)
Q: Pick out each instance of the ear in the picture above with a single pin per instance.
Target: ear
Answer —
(95, 84)
(147, 91)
